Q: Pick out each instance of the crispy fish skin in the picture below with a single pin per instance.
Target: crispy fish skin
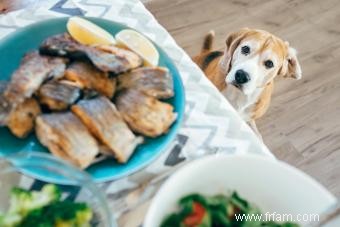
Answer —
(33, 71)
(58, 95)
(89, 77)
(63, 45)
(153, 81)
(21, 120)
(5, 107)
(145, 114)
(107, 62)
(58, 66)
(106, 124)
(66, 137)
(134, 60)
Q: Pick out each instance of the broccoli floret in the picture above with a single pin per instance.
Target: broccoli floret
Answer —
(9, 220)
(44, 209)
(82, 219)
(67, 210)
(48, 194)
(23, 201)
(19, 200)
(60, 214)
(37, 218)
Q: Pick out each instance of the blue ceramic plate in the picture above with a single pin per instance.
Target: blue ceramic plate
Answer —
(12, 49)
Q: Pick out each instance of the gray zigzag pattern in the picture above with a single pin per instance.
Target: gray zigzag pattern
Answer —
(59, 7)
(233, 131)
(105, 7)
(212, 132)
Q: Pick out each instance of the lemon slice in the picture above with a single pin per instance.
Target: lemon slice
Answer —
(139, 44)
(86, 32)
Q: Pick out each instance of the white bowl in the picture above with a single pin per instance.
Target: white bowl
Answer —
(272, 185)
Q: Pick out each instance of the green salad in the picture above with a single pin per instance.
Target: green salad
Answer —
(218, 211)
(44, 209)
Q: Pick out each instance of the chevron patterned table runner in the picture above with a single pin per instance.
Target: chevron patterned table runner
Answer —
(210, 126)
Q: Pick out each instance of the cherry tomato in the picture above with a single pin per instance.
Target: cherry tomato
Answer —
(196, 217)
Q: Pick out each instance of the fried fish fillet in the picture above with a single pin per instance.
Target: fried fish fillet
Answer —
(154, 81)
(58, 95)
(66, 137)
(89, 77)
(64, 45)
(21, 120)
(133, 59)
(106, 124)
(145, 114)
(5, 107)
(33, 71)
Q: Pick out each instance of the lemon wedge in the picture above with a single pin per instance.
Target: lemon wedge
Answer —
(138, 44)
(88, 33)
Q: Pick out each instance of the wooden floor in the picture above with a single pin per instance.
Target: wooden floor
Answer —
(302, 125)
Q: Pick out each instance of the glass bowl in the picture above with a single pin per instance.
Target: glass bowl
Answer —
(18, 170)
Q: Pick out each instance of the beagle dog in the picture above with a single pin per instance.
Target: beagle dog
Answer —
(244, 73)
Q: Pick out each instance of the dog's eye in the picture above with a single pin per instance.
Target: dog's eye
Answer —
(245, 50)
(269, 64)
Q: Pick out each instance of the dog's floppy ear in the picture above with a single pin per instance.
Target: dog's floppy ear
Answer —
(232, 42)
(291, 67)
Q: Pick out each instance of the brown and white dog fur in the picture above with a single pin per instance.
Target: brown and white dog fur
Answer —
(244, 73)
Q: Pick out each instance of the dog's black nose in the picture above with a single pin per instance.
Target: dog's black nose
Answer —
(241, 77)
